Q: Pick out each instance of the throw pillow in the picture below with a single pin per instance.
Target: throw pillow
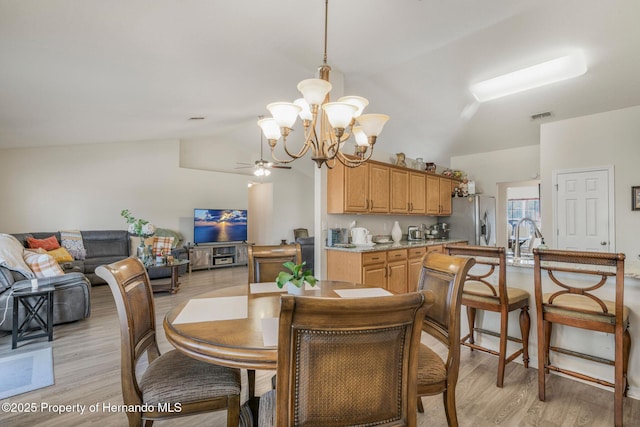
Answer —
(72, 241)
(61, 255)
(48, 244)
(43, 265)
(161, 245)
(36, 250)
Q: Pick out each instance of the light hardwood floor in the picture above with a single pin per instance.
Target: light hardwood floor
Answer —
(87, 360)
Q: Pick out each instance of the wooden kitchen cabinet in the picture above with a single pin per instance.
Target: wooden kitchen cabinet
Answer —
(384, 269)
(417, 193)
(364, 189)
(438, 196)
(399, 191)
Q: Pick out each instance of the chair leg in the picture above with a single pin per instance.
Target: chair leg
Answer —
(541, 352)
(420, 407)
(471, 318)
(547, 344)
(626, 348)
(233, 411)
(502, 354)
(148, 423)
(525, 326)
(449, 397)
(251, 379)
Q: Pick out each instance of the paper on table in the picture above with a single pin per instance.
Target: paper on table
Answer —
(271, 287)
(209, 309)
(270, 331)
(362, 292)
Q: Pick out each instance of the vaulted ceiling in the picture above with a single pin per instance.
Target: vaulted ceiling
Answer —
(93, 71)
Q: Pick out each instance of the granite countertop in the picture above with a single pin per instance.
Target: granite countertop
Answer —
(403, 244)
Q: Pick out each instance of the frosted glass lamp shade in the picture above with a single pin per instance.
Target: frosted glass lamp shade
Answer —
(284, 113)
(270, 128)
(305, 111)
(314, 90)
(372, 124)
(339, 114)
(359, 102)
(361, 138)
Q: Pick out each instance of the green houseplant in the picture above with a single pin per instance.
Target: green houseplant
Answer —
(297, 275)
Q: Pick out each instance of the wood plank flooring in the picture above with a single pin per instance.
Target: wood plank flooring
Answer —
(87, 371)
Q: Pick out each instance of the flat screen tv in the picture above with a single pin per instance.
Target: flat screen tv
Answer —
(219, 225)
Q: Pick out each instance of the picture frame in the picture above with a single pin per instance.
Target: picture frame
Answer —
(635, 198)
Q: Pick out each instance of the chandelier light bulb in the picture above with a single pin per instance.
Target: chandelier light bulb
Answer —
(339, 114)
(270, 128)
(372, 124)
(359, 102)
(361, 138)
(305, 111)
(314, 91)
(262, 172)
(284, 113)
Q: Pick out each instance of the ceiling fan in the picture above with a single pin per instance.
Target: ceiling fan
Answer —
(261, 166)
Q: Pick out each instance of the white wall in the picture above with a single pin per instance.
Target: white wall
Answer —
(487, 169)
(610, 138)
(86, 187)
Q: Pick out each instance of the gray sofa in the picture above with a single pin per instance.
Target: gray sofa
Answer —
(104, 247)
(71, 299)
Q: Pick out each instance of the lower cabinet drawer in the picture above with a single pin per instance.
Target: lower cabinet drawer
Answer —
(374, 258)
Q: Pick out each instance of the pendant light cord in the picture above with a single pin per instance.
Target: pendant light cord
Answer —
(326, 20)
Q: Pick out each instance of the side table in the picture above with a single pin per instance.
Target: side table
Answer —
(173, 285)
(32, 300)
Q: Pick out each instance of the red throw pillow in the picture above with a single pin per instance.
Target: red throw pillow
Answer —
(48, 244)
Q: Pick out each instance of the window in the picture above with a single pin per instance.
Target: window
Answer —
(522, 208)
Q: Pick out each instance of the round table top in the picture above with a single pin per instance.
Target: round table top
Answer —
(225, 326)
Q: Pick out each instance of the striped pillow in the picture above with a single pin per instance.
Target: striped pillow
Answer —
(43, 265)
(162, 245)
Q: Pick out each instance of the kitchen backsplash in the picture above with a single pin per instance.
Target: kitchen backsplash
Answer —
(378, 224)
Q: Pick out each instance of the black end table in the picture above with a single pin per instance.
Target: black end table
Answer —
(32, 300)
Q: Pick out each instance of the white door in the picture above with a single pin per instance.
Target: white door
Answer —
(584, 210)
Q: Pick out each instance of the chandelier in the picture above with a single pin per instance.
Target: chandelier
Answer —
(337, 121)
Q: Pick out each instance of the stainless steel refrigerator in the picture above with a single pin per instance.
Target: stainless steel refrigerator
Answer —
(473, 218)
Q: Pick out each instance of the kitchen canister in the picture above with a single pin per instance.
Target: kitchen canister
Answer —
(396, 232)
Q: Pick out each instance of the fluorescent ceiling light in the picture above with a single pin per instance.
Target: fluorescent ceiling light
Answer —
(548, 72)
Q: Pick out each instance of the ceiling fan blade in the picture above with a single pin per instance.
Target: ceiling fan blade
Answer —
(244, 167)
(280, 167)
(244, 164)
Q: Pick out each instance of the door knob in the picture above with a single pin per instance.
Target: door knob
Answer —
(603, 243)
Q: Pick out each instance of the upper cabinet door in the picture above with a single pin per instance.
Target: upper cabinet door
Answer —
(399, 191)
(356, 188)
(417, 193)
(433, 195)
(378, 188)
(445, 197)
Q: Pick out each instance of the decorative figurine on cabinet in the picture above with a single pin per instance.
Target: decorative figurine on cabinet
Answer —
(400, 160)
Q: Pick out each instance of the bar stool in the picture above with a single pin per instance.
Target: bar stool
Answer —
(480, 294)
(571, 303)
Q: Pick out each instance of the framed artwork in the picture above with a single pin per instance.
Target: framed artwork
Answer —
(635, 198)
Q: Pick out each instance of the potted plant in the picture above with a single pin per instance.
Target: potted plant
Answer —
(297, 277)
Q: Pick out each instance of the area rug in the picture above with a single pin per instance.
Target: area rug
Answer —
(25, 370)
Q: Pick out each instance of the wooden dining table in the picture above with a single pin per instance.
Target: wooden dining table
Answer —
(237, 326)
(229, 326)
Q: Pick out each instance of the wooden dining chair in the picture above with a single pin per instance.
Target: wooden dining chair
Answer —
(344, 362)
(444, 276)
(485, 288)
(173, 384)
(265, 262)
(572, 297)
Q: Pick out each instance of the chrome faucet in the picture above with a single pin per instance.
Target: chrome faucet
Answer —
(516, 249)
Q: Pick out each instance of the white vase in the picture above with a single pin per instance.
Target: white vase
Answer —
(294, 290)
(396, 232)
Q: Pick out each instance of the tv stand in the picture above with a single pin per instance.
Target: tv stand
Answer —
(216, 255)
